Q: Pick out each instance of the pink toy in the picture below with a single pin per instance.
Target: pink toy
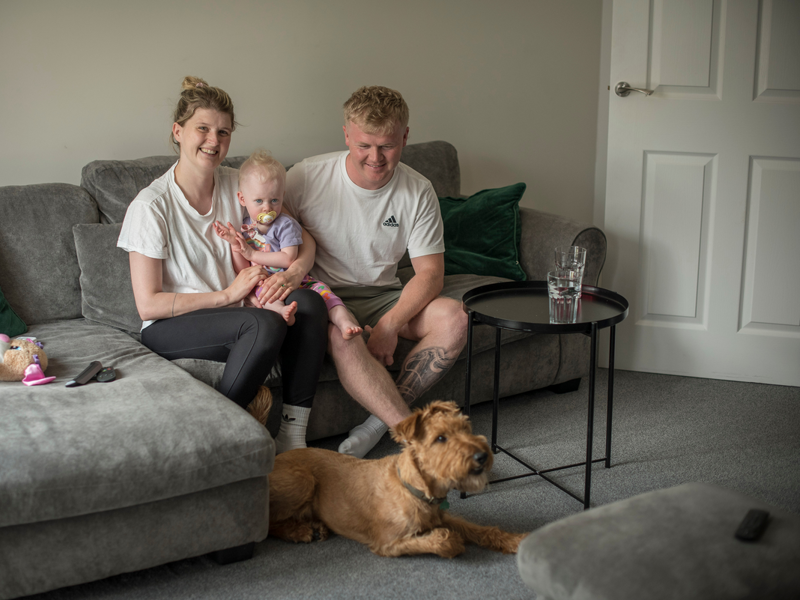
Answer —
(23, 359)
(35, 376)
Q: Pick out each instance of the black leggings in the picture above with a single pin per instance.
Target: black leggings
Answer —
(248, 341)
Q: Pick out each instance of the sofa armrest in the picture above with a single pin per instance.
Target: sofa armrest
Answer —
(542, 232)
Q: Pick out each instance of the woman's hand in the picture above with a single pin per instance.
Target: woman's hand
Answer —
(280, 285)
(244, 283)
(252, 301)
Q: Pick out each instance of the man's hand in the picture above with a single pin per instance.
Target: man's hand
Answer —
(382, 343)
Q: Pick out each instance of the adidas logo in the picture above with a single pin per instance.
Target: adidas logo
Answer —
(391, 222)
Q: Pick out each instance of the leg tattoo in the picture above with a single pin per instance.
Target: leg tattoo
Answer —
(421, 370)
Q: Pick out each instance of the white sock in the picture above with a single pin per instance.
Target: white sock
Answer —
(294, 420)
(364, 437)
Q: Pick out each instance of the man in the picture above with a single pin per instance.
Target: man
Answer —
(365, 209)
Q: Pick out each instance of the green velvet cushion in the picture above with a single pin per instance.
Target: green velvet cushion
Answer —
(10, 323)
(482, 233)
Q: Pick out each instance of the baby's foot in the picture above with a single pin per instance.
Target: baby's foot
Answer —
(346, 323)
(350, 331)
(288, 313)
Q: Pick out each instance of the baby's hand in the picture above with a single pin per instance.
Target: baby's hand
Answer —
(226, 233)
(242, 247)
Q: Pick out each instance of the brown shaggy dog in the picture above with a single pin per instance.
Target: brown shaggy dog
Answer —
(391, 504)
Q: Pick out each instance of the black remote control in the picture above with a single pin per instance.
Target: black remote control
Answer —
(753, 525)
(86, 375)
(106, 375)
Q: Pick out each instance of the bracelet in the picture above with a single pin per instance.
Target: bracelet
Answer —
(175, 297)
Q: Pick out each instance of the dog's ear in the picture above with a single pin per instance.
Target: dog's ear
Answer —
(405, 430)
(440, 406)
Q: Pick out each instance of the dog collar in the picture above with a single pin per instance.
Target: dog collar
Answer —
(441, 502)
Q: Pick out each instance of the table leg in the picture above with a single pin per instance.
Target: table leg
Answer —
(610, 395)
(590, 427)
(467, 407)
(496, 407)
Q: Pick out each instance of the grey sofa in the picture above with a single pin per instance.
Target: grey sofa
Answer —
(158, 466)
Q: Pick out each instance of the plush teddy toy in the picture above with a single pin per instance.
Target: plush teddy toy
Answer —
(22, 360)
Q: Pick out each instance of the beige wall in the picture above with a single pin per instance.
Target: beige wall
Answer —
(512, 84)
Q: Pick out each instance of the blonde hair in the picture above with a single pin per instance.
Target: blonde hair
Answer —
(376, 110)
(196, 93)
(263, 165)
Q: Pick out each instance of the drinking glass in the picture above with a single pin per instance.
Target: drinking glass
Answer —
(562, 290)
(571, 258)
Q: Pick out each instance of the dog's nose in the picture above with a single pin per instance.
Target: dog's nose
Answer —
(480, 457)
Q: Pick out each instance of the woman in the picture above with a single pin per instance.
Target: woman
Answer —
(186, 290)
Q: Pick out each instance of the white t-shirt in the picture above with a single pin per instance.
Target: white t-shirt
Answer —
(362, 234)
(160, 223)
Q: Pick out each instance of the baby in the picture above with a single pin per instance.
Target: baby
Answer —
(270, 238)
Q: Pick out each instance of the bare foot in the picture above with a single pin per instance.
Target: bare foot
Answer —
(345, 321)
(288, 313)
(351, 332)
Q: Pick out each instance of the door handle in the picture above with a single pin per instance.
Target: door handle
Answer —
(623, 89)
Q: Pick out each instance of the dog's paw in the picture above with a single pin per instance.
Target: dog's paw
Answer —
(320, 531)
(508, 543)
(311, 532)
(446, 543)
(303, 532)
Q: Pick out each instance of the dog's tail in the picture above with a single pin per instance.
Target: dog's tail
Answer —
(261, 405)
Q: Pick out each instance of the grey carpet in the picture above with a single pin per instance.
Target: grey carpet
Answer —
(667, 430)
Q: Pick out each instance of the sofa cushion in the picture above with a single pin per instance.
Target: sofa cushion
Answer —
(153, 433)
(106, 290)
(673, 543)
(482, 233)
(210, 371)
(10, 324)
(38, 267)
(437, 162)
(114, 183)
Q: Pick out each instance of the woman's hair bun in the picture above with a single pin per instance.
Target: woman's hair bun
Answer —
(192, 83)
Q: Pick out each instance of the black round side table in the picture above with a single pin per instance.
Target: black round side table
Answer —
(524, 306)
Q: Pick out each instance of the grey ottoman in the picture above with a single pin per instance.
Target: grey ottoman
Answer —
(672, 543)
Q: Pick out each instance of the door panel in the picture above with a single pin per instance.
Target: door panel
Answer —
(778, 67)
(771, 295)
(677, 192)
(681, 43)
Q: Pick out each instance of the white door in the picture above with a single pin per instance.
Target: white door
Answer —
(703, 188)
